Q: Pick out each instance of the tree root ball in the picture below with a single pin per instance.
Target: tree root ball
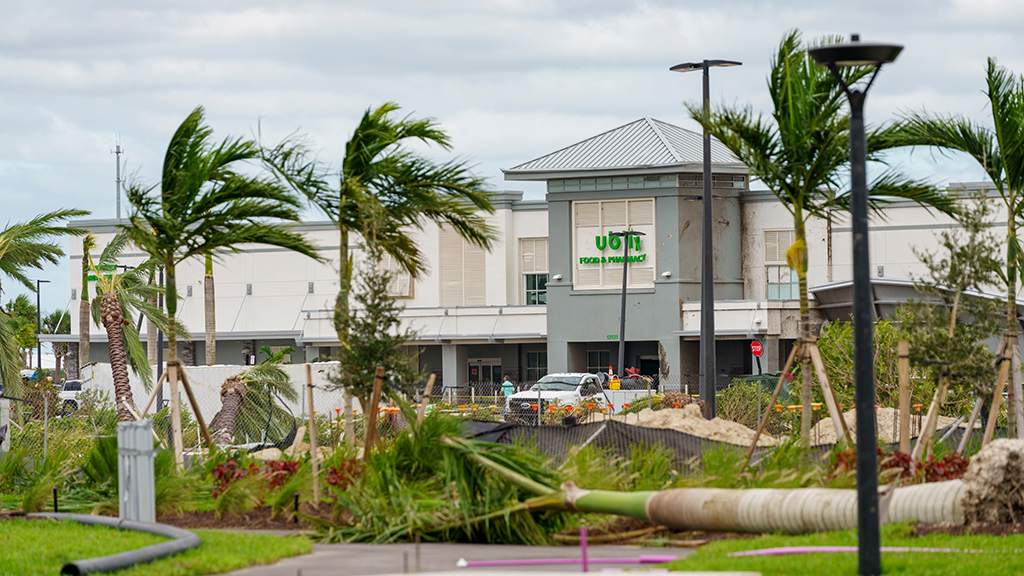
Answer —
(995, 484)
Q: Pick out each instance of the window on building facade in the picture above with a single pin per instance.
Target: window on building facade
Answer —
(782, 283)
(401, 285)
(598, 361)
(461, 269)
(534, 265)
(536, 365)
(598, 255)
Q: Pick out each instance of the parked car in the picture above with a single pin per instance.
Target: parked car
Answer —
(564, 389)
(69, 390)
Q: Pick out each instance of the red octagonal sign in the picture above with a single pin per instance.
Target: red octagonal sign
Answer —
(755, 347)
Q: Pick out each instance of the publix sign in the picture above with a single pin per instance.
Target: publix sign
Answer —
(609, 242)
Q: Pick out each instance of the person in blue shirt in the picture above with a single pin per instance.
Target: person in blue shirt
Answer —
(507, 388)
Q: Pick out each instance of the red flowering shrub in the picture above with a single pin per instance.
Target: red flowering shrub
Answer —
(277, 472)
(344, 474)
(227, 472)
(949, 467)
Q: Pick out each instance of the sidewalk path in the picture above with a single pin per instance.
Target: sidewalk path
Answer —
(370, 559)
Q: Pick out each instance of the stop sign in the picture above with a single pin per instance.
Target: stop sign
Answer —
(755, 347)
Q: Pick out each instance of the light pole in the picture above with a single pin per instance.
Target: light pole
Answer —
(834, 56)
(627, 237)
(707, 267)
(39, 329)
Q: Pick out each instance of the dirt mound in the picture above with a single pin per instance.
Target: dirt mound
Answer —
(689, 419)
(886, 426)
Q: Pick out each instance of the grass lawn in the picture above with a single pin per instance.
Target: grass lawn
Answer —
(1002, 555)
(41, 547)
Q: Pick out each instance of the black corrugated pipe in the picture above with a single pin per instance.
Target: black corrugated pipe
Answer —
(182, 540)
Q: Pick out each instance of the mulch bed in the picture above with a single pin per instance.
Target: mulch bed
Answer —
(622, 530)
(257, 519)
(965, 530)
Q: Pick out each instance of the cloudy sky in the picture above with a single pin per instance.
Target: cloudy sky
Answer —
(510, 80)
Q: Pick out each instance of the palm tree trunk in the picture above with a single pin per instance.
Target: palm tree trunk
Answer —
(58, 353)
(210, 311)
(232, 394)
(344, 286)
(83, 310)
(110, 315)
(171, 301)
(807, 377)
(151, 337)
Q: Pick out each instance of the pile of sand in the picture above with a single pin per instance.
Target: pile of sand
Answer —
(887, 422)
(689, 419)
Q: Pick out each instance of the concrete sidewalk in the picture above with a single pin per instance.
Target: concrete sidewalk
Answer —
(370, 559)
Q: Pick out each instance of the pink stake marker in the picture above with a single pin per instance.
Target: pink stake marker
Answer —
(583, 545)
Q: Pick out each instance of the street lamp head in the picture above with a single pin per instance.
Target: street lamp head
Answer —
(855, 53)
(691, 66)
(627, 233)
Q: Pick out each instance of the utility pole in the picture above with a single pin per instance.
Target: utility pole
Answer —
(117, 151)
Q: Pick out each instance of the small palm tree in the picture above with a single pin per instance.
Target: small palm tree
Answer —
(57, 322)
(384, 191)
(204, 203)
(248, 406)
(800, 153)
(999, 150)
(119, 296)
(24, 246)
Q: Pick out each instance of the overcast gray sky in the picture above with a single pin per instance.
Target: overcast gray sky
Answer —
(511, 80)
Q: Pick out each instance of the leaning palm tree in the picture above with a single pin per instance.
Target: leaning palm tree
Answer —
(999, 150)
(384, 190)
(205, 202)
(24, 246)
(119, 296)
(88, 245)
(800, 153)
(251, 402)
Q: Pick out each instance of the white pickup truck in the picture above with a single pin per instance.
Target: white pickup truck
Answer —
(565, 389)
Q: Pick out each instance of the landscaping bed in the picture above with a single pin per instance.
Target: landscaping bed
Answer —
(262, 518)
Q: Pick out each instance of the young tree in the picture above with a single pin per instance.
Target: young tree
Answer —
(206, 202)
(374, 337)
(801, 154)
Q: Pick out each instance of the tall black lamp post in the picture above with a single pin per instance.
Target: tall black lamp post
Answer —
(856, 53)
(627, 238)
(39, 329)
(707, 267)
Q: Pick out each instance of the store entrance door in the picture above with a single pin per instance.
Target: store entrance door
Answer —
(485, 370)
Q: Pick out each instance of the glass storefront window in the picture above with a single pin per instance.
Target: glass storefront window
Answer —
(536, 365)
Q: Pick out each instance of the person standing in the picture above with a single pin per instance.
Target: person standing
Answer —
(507, 388)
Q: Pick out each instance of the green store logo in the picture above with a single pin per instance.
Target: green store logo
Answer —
(614, 243)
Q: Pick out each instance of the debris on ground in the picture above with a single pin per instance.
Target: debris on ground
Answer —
(886, 426)
(690, 420)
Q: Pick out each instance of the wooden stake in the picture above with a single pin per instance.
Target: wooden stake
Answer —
(771, 403)
(978, 405)
(1018, 399)
(903, 349)
(838, 420)
(137, 417)
(350, 425)
(427, 392)
(153, 394)
(172, 380)
(371, 413)
(312, 437)
(929, 420)
(997, 399)
(199, 415)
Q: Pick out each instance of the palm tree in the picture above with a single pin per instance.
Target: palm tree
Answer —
(384, 190)
(248, 406)
(209, 309)
(57, 322)
(202, 204)
(800, 153)
(119, 296)
(24, 246)
(998, 149)
(88, 245)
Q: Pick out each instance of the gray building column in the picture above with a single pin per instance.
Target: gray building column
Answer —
(454, 365)
(770, 355)
(669, 349)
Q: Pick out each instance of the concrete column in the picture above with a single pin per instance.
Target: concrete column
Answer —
(669, 349)
(5, 424)
(770, 361)
(454, 365)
